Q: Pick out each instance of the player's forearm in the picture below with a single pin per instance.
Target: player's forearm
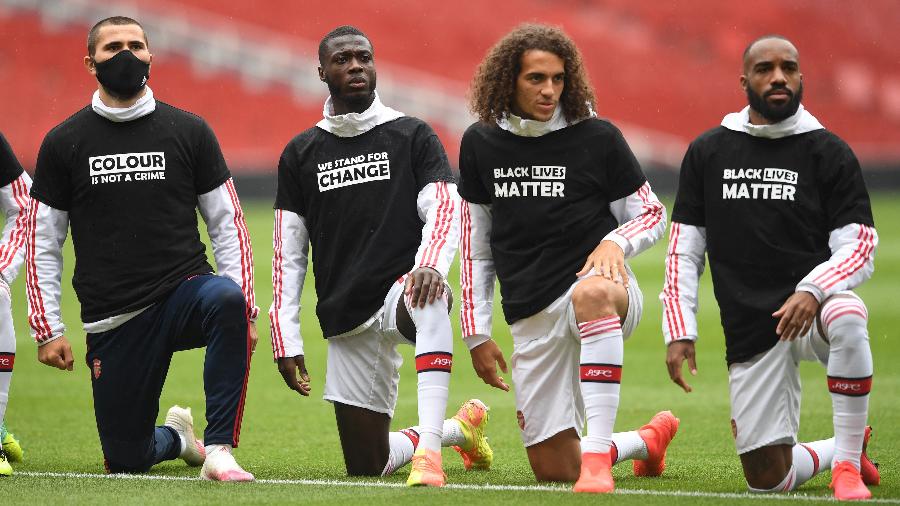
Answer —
(642, 219)
(14, 202)
(438, 205)
(477, 273)
(852, 262)
(290, 243)
(685, 262)
(224, 217)
(46, 229)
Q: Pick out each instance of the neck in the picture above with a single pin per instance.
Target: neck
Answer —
(758, 119)
(517, 112)
(342, 106)
(119, 103)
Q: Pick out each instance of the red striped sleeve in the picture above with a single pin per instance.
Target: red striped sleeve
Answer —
(277, 288)
(245, 248)
(467, 313)
(38, 314)
(443, 220)
(17, 237)
(860, 256)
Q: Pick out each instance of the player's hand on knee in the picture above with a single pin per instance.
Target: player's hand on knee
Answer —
(57, 353)
(289, 367)
(253, 335)
(796, 315)
(424, 285)
(678, 352)
(608, 261)
(485, 359)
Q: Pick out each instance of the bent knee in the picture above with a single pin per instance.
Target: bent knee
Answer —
(127, 456)
(844, 308)
(555, 471)
(595, 297)
(765, 468)
(226, 296)
(841, 314)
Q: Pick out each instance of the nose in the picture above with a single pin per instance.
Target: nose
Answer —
(778, 76)
(547, 88)
(355, 65)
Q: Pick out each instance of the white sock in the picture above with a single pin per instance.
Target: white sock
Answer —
(7, 354)
(403, 445)
(812, 458)
(452, 434)
(849, 374)
(183, 442)
(787, 484)
(211, 449)
(629, 446)
(601, 372)
(434, 359)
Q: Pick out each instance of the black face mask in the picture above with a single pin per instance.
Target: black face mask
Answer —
(124, 75)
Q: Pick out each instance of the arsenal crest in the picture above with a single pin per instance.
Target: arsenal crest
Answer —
(96, 368)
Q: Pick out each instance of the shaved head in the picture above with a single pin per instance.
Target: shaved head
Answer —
(752, 47)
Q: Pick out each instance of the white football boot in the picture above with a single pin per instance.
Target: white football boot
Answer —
(221, 466)
(180, 419)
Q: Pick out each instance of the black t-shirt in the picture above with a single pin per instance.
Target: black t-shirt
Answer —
(358, 196)
(10, 169)
(130, 189)
(768, 206)
(549, 197)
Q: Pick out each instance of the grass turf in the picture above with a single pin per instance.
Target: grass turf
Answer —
(287, 437)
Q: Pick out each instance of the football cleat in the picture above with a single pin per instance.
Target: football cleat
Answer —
(657, 434)
(847, 483)
(14, 451)
(221, 466)
(427, 469)
(5, 468)
(476, 452)
(180, 419)
(596, 474)
(868, 469)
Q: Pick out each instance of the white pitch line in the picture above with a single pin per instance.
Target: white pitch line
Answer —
(459, 486)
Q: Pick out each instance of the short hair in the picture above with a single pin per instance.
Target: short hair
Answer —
(114, 20)
(760, 39)
(493, 88)
(338, 32)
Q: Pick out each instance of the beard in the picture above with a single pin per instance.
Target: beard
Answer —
(775, 113)
(356, 99)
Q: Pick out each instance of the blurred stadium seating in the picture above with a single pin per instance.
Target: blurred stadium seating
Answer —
(663, 70)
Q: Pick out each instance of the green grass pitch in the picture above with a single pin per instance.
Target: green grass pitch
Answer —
(286, 437)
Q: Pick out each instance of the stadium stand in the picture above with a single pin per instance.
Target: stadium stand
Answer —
(664, 71)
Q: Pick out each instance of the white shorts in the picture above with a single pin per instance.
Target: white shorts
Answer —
(363, 369)
(545, 365)
(765, 391)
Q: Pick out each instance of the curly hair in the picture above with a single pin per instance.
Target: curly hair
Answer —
(494, 86)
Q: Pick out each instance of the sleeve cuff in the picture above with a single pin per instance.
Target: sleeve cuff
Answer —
(253, 314)
(476, 340)
(813, 290)
(50, 339)
(620, 241)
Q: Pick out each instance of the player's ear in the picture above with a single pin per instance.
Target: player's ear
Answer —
(321, 74)
(744, 82)
(90, 65)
